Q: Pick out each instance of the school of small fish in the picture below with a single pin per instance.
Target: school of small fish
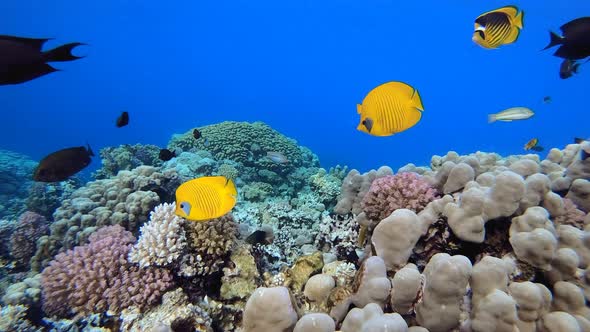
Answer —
(388, 109)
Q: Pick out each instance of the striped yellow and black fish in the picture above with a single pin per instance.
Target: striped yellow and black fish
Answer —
(498, 27)
(390, 108)
(205, 198)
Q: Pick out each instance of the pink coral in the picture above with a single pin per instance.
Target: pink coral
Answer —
(97, 277)
(573, 216)
(30, 227)
(401, 191)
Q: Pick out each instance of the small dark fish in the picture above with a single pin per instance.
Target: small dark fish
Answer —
(123, 120)
(537, 148)
(166, 154)
(575, 42)
(547, 99)
(568, 68)
(277, 157)
(258, 236)
(60, 165)
(196, 134)
(22, 60)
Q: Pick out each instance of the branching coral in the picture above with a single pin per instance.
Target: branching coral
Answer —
(210, 243)
(97, 277)
(162, 238)
(30, 227)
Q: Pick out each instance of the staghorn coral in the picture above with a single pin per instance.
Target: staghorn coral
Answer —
(400, 191)
(162, 239)
(30, 227)
(97, 277)
(125, 200)
(209, 243)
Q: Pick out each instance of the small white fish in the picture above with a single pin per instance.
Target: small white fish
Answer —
(277, 157)
(514, 113)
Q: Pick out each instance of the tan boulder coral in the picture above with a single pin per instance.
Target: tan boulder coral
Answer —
(445, 281)
(497, 196)
(492, 308)
(533, 237)
(569, 298)
(533, 300)
(318, 287)
(315, 322)
(406, 285)
(579, 193)
(270, 310)
(354, 188)
(371, 318)
(371, 284)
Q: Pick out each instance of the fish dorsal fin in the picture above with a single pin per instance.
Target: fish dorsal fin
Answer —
(574, 24)
(511, 11)
(36, 43)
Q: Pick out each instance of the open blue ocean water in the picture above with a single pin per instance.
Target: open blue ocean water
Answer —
(300, 66)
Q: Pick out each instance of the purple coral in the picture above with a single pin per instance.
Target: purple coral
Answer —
(97, 277)
(401, 191)
(30, 227)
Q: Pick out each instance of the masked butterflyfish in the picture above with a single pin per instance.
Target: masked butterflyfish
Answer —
(390, 108)
(498, 27)
(205, 198)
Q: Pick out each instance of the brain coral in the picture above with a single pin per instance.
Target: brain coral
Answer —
(97, 277)
(243, 142)
(401, 191)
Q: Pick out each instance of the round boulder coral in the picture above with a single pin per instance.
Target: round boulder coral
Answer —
(401, 191)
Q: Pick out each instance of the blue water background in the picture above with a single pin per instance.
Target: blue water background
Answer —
(300, 66)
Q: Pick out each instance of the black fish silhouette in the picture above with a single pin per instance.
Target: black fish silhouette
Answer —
(22, 60)
(60, 165)
(123, 120)
(575, 42)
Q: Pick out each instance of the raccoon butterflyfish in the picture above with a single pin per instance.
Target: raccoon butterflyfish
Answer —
(533, 144)
(390, 108)
(498, 27)
(205, 198)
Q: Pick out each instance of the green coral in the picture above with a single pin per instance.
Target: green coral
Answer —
(257, 191)
(244, 142)
(326, 185)
(126, 157)
(228, 171)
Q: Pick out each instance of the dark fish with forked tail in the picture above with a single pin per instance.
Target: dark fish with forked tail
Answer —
(22, 60)
(575, 41)
(60, 165)
(166, 154)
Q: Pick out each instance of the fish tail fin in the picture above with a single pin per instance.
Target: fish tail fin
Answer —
(231, 187)
(89, 149)
(491, 118)
(62, 53)
(519, 20)
(554, 39)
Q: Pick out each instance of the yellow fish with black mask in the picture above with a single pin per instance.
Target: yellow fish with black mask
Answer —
(390, 108)
(205, 198)
(498, 27)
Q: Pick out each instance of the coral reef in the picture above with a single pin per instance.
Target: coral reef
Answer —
(124, 200)
(97, 277)
(126, 157)
(29, 228)
(15, 180)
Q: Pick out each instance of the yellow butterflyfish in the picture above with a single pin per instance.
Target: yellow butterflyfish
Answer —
(205, 198)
